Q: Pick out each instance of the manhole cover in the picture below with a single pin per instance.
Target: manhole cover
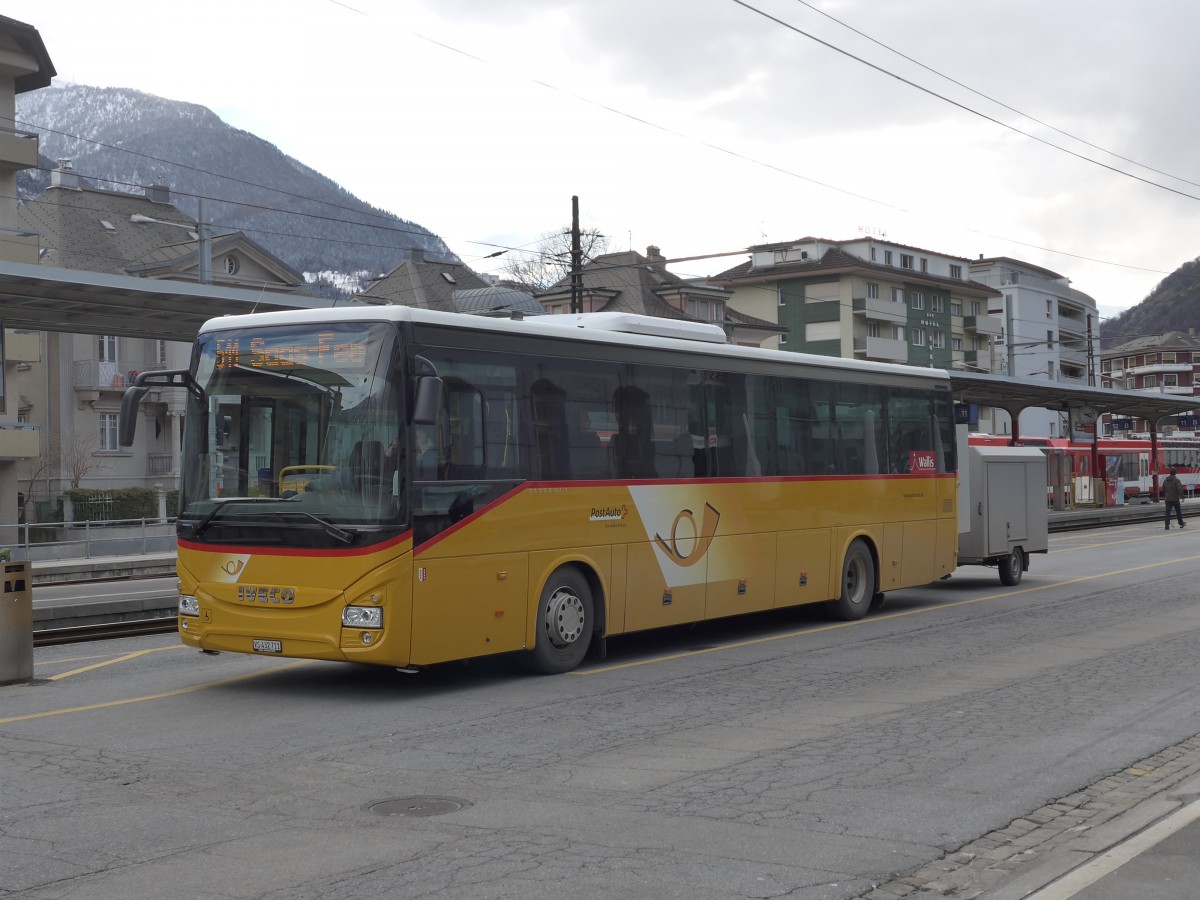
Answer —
(419, 806)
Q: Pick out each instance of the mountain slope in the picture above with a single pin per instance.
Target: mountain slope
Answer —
(120, 139)
(1173, 305)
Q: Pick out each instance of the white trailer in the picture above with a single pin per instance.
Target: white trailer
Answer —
(1004, 517)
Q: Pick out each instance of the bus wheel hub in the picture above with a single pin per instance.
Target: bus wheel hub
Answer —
(564, 618)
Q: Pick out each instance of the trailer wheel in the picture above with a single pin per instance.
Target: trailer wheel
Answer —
(1012, 567)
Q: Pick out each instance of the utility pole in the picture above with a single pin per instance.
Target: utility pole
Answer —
(576, 260)
(1091, 360)
(1010, 339)
(204, 245)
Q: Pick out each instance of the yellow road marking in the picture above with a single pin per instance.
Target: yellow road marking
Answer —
(100, 665)
(1095, 544)
(176, 693)
(865, 621)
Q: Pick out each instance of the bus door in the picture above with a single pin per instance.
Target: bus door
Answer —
(470, 581)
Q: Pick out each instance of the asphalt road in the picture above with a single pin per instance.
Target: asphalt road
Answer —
(780, 755)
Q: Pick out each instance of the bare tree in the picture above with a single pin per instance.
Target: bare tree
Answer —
(549, 262)
(79, 457)
(40, 467)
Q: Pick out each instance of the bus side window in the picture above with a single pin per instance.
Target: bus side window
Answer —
(573, 418)
(633, 444)
(463, 435)
(910, 427)
(792, 421)
(822, 444)
(550, 430)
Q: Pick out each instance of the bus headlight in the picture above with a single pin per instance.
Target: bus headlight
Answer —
(188, 605)
(362, 617)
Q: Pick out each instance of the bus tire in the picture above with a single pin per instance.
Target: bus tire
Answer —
(565, 620)
(858, 584)
(1012, 566)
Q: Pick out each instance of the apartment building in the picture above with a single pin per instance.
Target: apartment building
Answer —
(868, 299)
(1161, 364)
(24, 66)
(1048, 329)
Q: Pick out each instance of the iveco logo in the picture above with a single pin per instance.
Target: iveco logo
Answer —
(262, 593)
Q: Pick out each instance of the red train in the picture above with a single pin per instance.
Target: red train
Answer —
(1126, 460)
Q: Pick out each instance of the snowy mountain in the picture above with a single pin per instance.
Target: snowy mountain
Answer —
(123, 140)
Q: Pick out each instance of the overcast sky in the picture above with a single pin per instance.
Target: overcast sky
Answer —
(703, 126)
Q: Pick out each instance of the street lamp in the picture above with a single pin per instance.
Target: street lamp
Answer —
(199, 231)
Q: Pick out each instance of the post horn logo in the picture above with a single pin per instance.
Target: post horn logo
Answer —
(701, 536)
(233, 566)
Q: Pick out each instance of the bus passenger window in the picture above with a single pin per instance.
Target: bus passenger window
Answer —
(550, 430)
(633, 444)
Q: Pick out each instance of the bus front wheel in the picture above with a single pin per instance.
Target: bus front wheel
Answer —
(858, 584)
(564, 623)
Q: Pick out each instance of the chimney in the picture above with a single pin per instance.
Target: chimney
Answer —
(414, 254)
(655, 258)
(65, 176)
(158, 193)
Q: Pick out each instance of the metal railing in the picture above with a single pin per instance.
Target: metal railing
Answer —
(159, 463)
(87, 540)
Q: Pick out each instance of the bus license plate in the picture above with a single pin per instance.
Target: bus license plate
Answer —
(267, 646)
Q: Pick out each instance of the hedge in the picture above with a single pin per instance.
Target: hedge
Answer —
(127, 503)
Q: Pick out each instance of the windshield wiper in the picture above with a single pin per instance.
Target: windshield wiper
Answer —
(334, 531)
(200, 527)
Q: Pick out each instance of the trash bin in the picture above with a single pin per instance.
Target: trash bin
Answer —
(16, 624)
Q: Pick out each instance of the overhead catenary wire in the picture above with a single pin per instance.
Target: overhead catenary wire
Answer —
(964, 107)
(991, 99)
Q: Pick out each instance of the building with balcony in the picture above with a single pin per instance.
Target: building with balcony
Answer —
(868, 299)
(1161, 364)
(24, 66)
(74, 387)
(1048, 329)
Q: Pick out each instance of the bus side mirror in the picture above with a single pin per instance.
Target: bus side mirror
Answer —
(127, 425)
(428, 400)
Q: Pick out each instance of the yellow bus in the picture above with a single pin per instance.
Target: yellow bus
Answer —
(405, 487)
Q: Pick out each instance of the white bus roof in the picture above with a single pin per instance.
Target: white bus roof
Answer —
(625, 329)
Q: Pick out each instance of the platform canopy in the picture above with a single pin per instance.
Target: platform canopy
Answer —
(1016, 394)
(46, 298)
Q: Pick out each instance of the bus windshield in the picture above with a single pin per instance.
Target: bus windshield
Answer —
(291, 436)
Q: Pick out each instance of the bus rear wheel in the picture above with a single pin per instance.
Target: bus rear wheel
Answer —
(565, 617)
(858, 584)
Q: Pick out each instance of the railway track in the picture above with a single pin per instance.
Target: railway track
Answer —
(103, 631)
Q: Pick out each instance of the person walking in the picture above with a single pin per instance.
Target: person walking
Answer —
(1172, 493)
